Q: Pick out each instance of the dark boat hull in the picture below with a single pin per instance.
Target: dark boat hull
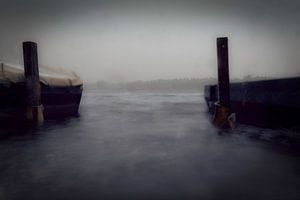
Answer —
(58, 102)
(269, 103)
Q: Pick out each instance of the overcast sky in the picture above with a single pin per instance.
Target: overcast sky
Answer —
(145, 40)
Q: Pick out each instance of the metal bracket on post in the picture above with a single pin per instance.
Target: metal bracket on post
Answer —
(34, 109)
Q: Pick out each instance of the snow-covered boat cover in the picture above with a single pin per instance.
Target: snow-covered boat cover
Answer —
(51, 76)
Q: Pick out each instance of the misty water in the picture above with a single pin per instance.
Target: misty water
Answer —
(147, 146)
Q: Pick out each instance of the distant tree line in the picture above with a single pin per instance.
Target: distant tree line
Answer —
(160, 85)
(186, 84)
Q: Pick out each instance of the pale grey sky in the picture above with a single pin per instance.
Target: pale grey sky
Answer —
(144, 40)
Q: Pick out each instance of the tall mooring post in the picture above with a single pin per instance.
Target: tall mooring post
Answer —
(34, 110)
(222, 108)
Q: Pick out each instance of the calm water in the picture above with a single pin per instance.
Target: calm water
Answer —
(147, 146)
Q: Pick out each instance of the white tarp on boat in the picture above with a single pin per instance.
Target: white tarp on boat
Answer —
(51, 76)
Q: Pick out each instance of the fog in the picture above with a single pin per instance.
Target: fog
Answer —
(146, 40)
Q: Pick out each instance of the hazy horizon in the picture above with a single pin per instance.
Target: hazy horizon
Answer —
(146, 40)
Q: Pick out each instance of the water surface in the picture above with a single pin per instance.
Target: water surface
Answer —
(146, 146)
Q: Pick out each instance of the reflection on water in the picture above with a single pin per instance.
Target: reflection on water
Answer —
(146, 146)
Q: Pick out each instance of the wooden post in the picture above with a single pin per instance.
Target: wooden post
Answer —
(33, 89)
(222, 111)
(223, 71)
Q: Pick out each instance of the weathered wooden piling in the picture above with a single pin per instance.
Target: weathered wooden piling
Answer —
(222, 110)
(223, 71)
(34, 109)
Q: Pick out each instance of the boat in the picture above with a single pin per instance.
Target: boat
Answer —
(269, 103)
(61, 92)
